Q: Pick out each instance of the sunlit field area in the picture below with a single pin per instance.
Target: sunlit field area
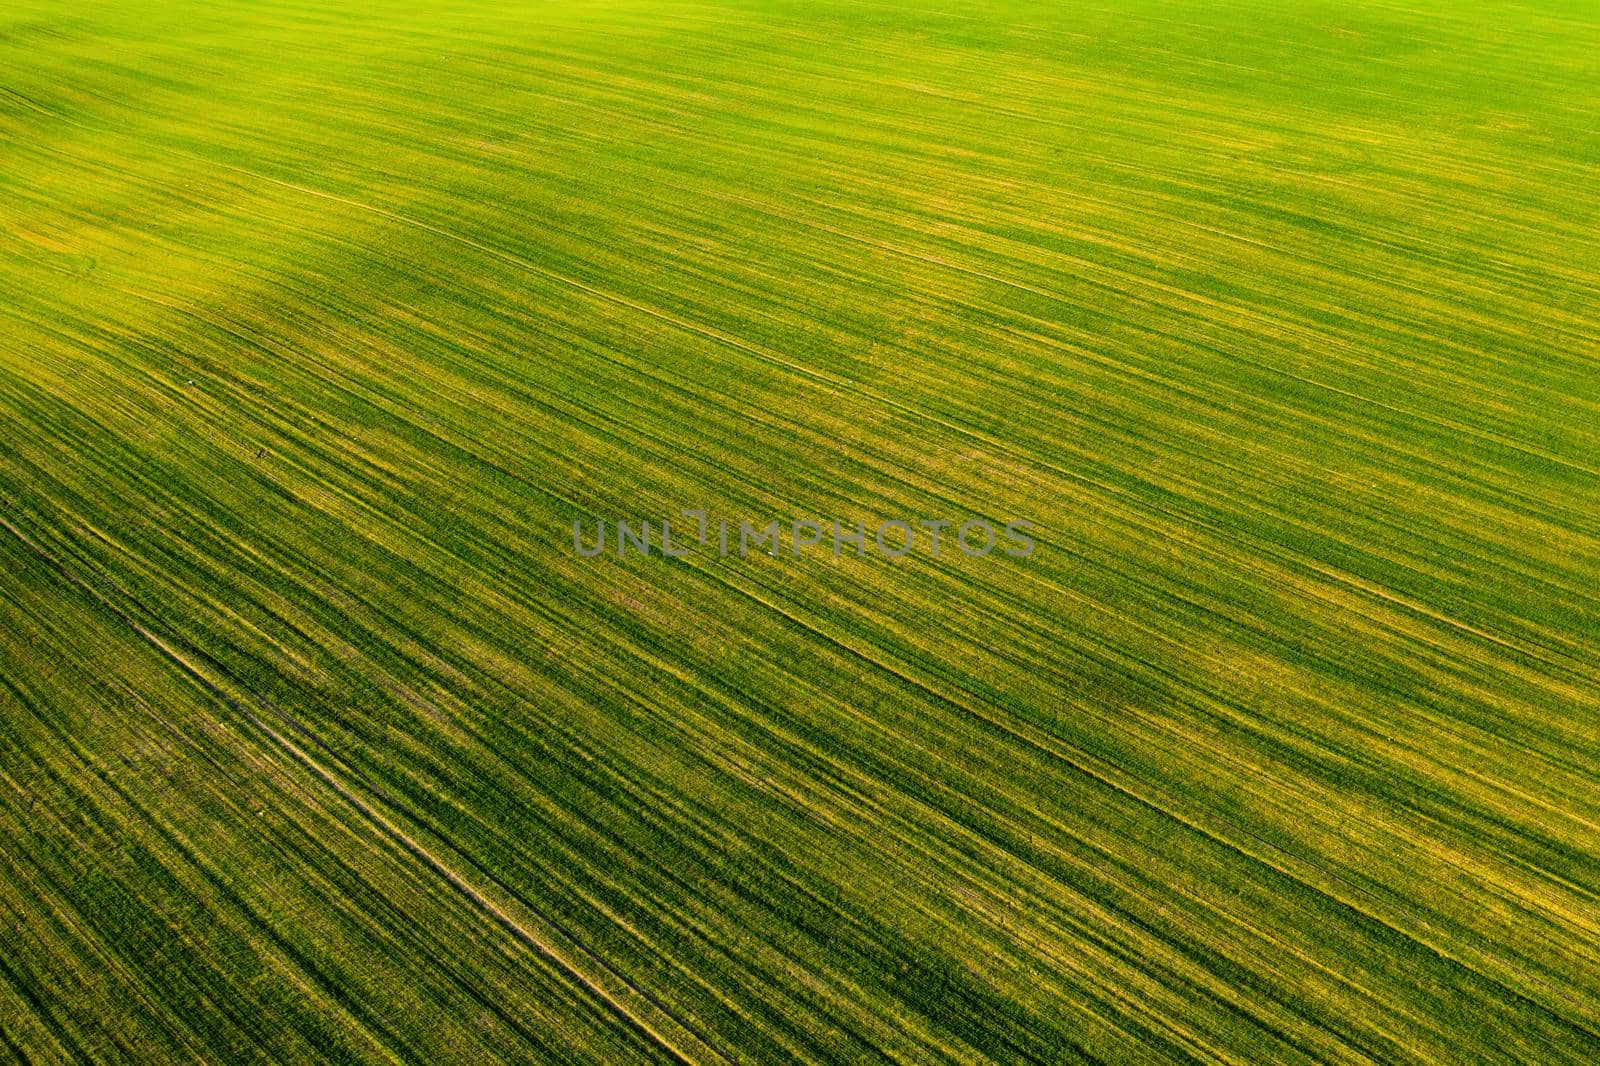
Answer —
(1276, 323)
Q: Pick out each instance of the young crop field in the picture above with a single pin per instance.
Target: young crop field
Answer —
(1270, 734)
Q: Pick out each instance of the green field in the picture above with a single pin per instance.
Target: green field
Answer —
(321, 322)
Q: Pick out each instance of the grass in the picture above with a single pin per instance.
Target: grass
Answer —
(320, 324)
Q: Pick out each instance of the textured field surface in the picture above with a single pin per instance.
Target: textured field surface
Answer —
(321, 322)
